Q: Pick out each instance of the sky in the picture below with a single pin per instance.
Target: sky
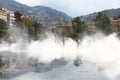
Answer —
(75, 7)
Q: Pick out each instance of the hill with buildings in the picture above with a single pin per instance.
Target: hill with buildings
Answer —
(49, 16)
(45, 15)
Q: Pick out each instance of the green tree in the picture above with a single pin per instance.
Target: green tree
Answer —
(36, 28)
(102, 22)
(3, 29)
(17, 18)
(78, 27)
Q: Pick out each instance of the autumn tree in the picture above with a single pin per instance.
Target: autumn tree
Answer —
(27, 22)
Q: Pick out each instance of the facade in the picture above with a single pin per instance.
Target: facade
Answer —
(7, 16)
(3, 14)
(11, 18)
(115, 23)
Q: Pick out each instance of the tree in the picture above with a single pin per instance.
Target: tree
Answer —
(17, 18)
(3, 29)
(78, 27)
(37, 29)
(102, 22)
(27, 23)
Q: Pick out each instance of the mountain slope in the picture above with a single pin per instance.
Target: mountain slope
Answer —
(13, 5)
(111, 13)
(45, 15)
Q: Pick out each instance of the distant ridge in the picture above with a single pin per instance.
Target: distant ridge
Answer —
(45, 15)
(111, 13)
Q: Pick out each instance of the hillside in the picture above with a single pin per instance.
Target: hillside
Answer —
(110, 13)
(45, 15)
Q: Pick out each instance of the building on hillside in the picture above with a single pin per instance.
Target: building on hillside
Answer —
(60, 22)
(3, 14)
(65, 26)
(11, 18)
(115, 23)
(61, 25)
(7, 16)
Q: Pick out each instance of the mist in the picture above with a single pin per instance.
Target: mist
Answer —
(99, 51)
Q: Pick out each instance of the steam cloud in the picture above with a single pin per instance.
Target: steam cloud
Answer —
(99, 50)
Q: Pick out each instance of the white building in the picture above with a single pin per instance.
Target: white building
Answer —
(11, 18)
(7, 15)
(3, 14)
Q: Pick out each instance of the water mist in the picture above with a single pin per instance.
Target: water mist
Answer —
(97, 50)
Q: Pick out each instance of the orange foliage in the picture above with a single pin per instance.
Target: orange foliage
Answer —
(27, 21)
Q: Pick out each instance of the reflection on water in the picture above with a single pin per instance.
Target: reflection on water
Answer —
(67, 72)
(19, 67)
(56, 70)
(51, 60)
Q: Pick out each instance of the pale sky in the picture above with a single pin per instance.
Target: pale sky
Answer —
(75, 7)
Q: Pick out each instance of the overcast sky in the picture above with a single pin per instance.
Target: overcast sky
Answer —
(75, 7)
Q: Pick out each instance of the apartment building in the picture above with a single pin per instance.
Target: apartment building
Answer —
(7, 16)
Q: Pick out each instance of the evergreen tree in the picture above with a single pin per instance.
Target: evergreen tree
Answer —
(35, 29)
(3, 29)
(18, 18)
(78, 25)
(78, 28)
(102, 22)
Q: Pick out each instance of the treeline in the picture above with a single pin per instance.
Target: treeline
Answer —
(101, 23)
(76, 31)
(31, 26)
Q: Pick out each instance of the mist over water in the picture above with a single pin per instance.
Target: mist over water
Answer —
(100, 56)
